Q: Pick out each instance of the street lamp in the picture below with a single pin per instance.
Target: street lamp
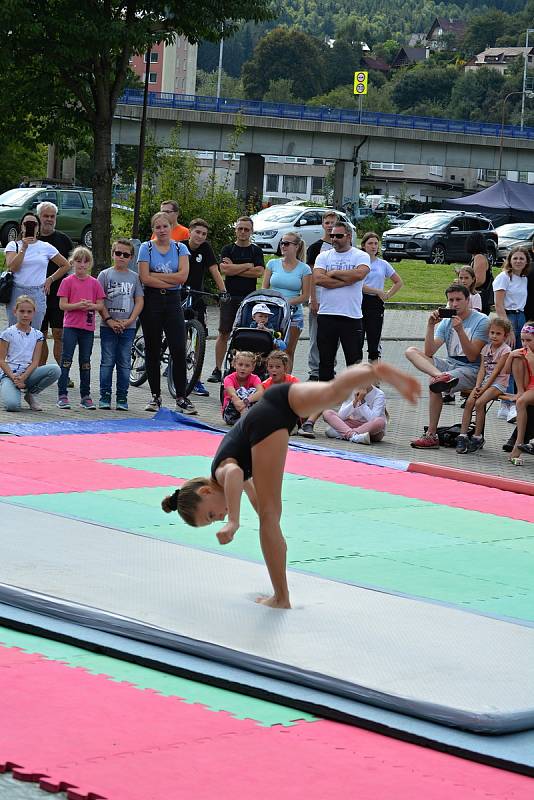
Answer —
(525, 62)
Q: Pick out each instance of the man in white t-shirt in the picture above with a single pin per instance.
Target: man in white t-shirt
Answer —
(340, 273)
(464, 336)
(320, 246)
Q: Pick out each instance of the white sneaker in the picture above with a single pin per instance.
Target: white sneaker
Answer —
(504, 408)
(331, 433)
(360, 438)
(512, 414)
(32, 402)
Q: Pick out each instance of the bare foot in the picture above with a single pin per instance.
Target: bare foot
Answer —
(405, 384)
(273, 602)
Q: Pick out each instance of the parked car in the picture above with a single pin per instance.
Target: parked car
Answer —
(269, 228)
(363, 212)
(74, 211)
(387, 208)
(401, 219)
(438, 237)
(515, 234)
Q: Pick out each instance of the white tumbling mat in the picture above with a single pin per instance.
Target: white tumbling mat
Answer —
(419, 658)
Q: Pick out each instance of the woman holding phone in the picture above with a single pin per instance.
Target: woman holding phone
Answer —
(27, 259)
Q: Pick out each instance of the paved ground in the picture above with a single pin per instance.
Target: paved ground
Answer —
(402, 328)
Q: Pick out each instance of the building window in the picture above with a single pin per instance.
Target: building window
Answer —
(436, 170)
(271, 184)
(153, 77)
(294, 183)
(386, 166)
(154, 57)
(317, 186)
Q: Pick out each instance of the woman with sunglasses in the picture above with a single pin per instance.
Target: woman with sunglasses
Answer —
(291, 276)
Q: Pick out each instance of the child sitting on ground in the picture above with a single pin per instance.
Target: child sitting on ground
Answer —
(361, 419)
(492, 380)
(522, 364)
(277, 365)
(241, 387)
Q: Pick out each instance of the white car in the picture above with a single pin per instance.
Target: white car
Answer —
(307, 221)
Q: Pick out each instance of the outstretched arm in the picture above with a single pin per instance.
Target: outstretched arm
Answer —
(230, 477)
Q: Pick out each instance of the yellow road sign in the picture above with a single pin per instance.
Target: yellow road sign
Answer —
(360, 82)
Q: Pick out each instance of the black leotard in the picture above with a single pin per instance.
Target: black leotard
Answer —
(270, 414)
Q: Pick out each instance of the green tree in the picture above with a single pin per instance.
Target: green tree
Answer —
(207, 84)
(68, 63)
(423, 84)
(19, 159)
(342, 61)
(478, 96)
(281, 91)
(281, 53)
(483, 31)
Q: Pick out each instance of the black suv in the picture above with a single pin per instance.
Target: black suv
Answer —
(438, 237)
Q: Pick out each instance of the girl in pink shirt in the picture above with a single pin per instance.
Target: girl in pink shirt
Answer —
(241, 388)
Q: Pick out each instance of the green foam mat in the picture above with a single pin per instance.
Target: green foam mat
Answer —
(479, 561)
(238, 705)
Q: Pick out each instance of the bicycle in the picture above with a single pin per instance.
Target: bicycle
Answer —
(195, 350)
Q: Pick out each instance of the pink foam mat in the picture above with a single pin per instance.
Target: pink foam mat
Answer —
(434, 489)
(74, 731)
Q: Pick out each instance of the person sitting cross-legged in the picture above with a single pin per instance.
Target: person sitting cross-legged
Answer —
(464, 334)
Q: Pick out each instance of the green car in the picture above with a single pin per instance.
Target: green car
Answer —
(73, 218)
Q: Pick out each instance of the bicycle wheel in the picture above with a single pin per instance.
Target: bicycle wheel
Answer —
(138, 374)
(195, 349)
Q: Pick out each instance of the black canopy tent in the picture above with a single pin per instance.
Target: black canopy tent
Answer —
(505, 201)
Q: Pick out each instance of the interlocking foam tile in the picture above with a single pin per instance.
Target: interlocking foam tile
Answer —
(239, 706)
(128, 744)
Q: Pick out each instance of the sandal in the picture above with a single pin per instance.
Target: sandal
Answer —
(527, 448)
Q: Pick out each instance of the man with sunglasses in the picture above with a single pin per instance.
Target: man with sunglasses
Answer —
(340, 273)
(242, 264)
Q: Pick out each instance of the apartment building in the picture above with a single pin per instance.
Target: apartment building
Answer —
(173, 67)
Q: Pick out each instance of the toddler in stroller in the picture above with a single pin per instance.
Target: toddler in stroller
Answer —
(256, 337)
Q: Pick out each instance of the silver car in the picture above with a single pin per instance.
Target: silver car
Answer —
(271, 224)
(515, 234)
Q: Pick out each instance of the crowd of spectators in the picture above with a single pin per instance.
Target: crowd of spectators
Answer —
(486, 358)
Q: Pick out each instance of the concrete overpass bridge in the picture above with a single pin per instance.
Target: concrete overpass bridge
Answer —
(346, 136)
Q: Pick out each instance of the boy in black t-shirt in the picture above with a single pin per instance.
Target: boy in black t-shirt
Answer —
(242, 263)
(201, 259)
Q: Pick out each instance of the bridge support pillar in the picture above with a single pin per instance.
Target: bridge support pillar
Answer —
(343, 183)
(249, 181)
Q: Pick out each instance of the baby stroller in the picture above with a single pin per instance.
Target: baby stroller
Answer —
(255, 340)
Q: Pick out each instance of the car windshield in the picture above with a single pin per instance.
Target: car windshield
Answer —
(428, 222)
(515, 231)
(15, 197)
(281, 215)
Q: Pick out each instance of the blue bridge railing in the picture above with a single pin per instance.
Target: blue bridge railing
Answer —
(320, 113)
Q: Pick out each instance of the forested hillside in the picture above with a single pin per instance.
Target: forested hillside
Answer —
(310, 51)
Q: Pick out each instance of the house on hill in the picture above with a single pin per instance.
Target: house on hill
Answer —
(441, 30)
(407, 56)
(500, 58)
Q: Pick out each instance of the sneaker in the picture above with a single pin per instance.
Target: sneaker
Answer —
(444, 383)
(32, 402)
(154, 405)
(504, 409)
(426, 442)
(87, 403)
(331, 433)
(185, 406)
(449, 398)
(200, 389)
(306, 430)
(360, 438)
(511, 417)
(462, 444)
(475, 443)
(527, 448)
(216, 376)
(104, 403)
(63, 401)
(122, 405)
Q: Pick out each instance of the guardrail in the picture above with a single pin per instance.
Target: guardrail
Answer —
(322, 114)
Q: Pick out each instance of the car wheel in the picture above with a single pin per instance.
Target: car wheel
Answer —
(87, 237)
(10, 233)
(437, 254)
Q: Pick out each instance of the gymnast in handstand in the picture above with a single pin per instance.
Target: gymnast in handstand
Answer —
(251, 458)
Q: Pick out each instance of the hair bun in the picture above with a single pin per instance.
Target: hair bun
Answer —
(173, 500)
